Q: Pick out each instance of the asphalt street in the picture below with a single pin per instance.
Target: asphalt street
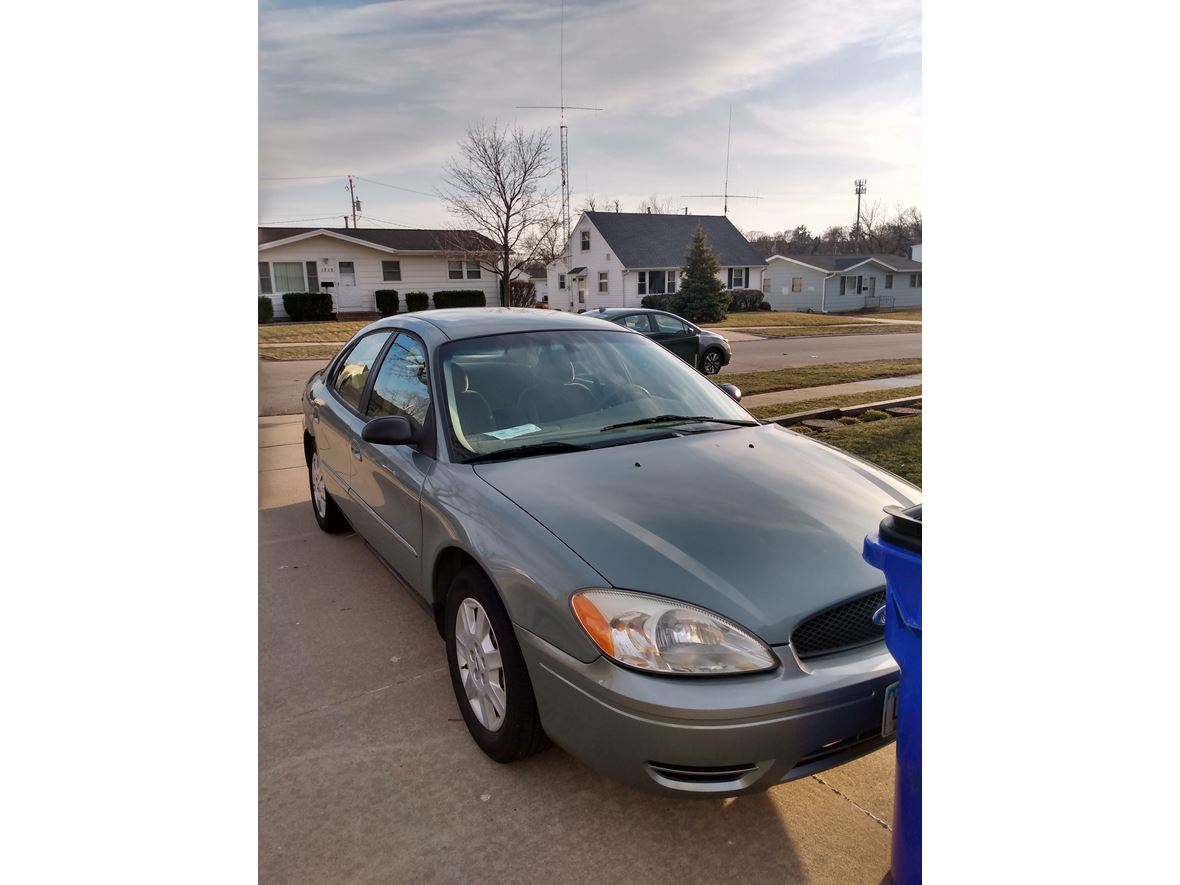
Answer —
(280, 384)
(367, 773)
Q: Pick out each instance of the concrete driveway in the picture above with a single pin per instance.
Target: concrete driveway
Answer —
(367, 773)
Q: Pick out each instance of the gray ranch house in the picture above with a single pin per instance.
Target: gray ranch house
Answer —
(616, 258)
(838, 283)
(354, 262)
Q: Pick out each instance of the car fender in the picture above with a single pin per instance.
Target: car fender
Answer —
(501, 537)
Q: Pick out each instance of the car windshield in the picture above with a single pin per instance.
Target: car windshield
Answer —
(566, 390)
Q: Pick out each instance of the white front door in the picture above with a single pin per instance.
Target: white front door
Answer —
(347, 295)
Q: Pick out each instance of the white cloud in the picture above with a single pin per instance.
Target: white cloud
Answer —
(386, 90)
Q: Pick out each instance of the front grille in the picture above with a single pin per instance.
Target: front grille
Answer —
(846, 626)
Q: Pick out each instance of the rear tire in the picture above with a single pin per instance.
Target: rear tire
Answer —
(711, 362)
(488, 671)
(327, 515)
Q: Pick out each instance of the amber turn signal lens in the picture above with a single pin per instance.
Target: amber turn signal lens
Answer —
(593, 623)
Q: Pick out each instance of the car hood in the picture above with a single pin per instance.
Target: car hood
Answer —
(758, 524)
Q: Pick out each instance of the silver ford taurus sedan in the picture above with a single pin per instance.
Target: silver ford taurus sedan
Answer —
(618, 556)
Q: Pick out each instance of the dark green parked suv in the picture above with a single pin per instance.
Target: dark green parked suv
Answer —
(703, 350)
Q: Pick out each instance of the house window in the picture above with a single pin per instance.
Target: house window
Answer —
(313, 278)
(888, 281)
(796, 284)
(264, 286)
(289, 277)
(561, 281)
(455, 270)
(602, 282)
(391, 271)
(737, 278)
(473, 272)
(766, 284)
(581, 290)
(850, 285)
(347, 273)
(585, 241)
(915, 281)
(657, 282)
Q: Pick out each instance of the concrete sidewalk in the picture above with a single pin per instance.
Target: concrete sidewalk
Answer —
(805, 393)
(367, 773)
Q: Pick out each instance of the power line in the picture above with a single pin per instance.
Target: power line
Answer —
(387, 221)
(293, 220)
(395, 186)
(303, 178)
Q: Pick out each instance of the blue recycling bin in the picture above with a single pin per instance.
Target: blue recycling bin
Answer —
(896, 549)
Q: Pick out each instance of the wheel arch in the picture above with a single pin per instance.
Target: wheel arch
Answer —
(449, 562)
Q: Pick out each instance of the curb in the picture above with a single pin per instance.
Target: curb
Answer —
(837, 412)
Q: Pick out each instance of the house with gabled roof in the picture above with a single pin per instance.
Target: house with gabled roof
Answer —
(840, 283)
(354, 262)
(617, 258)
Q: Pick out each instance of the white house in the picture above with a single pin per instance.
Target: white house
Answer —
(836, 283)
(356, 262)
(616, 258)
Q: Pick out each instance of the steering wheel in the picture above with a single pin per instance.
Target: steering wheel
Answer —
(620, 395)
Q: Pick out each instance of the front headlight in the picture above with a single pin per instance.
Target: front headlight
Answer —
(666, 636)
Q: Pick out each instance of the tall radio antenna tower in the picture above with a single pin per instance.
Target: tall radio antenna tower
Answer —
(862, 187)
(726, 195)
(564, 138)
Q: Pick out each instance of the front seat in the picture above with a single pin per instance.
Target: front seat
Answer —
(475, 415)
(556, 396)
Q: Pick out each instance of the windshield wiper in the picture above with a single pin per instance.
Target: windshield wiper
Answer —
(545, 448)
(661, 419)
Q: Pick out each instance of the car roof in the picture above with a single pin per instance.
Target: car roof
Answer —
(616, 311)
(474, 322)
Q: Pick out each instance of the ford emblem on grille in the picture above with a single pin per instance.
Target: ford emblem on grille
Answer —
(879, 617)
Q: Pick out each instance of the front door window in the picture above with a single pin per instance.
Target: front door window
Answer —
(347, 271)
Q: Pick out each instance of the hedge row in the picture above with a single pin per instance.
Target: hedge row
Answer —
(460, 298)
(387, 301)
(301, 306)
(266, 309)
(417, 301)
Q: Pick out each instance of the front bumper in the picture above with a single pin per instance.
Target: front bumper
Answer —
(712, 736)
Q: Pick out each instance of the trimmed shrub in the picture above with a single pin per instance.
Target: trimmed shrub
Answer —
(266, 309)
(417, 301)
(459, 298)
(765, 305)
(308, 306)
(744, 299)
(387, 301)
(656, 302)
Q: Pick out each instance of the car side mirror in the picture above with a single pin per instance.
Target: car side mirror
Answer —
(733, 390)
(393, 430)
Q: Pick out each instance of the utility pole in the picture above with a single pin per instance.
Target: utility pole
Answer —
(861, 188)
(356, 204)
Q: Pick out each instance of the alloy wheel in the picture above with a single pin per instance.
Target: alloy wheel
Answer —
(481, 668)
(318, 491)
(711, 364)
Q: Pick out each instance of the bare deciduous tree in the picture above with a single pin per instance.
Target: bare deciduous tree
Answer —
(657, 205)
(595, 203)
(496, 187)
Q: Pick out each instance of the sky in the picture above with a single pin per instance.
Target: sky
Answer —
(821, 91)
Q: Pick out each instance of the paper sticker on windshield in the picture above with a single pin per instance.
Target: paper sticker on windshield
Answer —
(512, 432)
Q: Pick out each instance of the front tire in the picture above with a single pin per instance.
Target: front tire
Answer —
(488, 672)
(327, 515)
(711, 362)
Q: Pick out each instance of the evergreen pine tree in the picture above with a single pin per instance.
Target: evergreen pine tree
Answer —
(702, 297)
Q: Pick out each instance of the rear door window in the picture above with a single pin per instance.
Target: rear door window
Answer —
(637, 321)
(353, 374)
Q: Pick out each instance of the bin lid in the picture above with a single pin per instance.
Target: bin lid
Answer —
(903, 528)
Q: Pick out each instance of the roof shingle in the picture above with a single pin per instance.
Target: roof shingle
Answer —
(640, 240)
(405, 240)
